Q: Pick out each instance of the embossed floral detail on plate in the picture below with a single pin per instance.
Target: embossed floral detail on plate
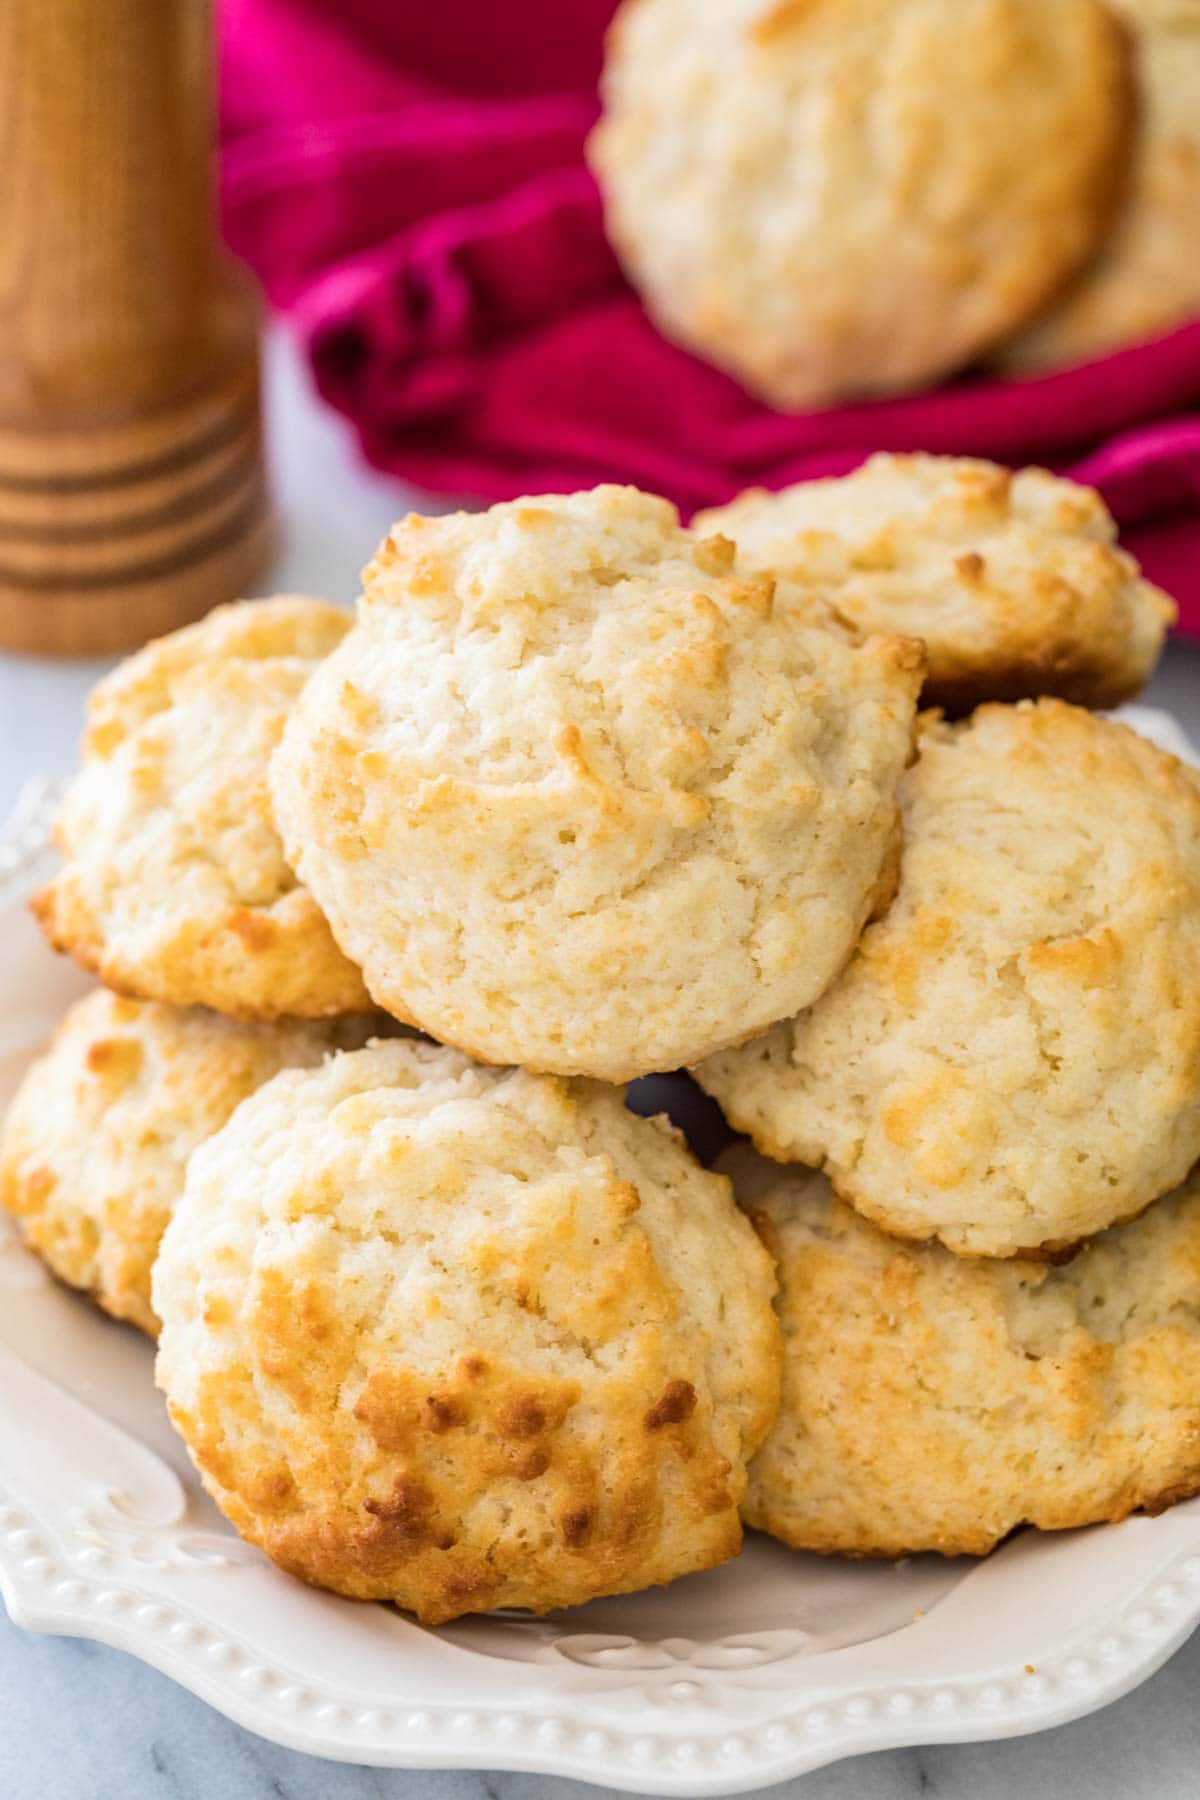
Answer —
(110, 1521)
(734, 1658)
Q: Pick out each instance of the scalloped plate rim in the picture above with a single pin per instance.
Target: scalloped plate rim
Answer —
(637, 1775)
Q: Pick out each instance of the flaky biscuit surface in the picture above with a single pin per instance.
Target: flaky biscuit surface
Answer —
(1014, 580)
(840, 197)
(465, 1338)
(574, 797)
(174, 885)
(1011, 1059)
(932, 1403)
(95, 1144)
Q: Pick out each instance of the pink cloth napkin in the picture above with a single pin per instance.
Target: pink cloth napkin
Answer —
(408, 183)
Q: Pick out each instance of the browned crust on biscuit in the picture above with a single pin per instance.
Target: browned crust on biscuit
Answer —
(1048, 908)
(527, 879)
(1015, 578)
(396, 1528)
(173, 885)
(95, 1144)
(932, 1403)
(484, 1365)
(253, 964)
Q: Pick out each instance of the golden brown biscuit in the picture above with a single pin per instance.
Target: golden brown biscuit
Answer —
(1011, 1059)
(567, 746)
(96, 1141)
(1146, 276)
(845, 197)
(464, 1338)
(174, 885)
(1014, 580)
(930, 1403)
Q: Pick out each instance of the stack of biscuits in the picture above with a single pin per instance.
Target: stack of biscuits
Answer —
(388, 912)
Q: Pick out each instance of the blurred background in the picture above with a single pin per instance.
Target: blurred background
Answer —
(410, 188)
(409, 185)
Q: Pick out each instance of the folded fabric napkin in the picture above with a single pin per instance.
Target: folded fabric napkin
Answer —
(408, 183)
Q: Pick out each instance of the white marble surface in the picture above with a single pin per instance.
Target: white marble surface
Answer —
(81, 1722)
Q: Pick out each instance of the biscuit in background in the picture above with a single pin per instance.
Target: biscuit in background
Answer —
(1014, 580)
(932, 1403)
(174, 884)
(1145, 278)
(575, 795)
(96, 1141)
(1011, 1059)
(463, 1338)
(832, 198)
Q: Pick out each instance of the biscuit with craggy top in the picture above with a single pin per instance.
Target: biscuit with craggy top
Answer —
(96, 1142)
(1014, 580)
(1145, 278)
(464, 1338)
(932, 1403)
(174, 885)
(1011, 1059)
(567, 748)
(831, 198)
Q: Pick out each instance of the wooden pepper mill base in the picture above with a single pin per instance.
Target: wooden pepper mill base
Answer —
(111, 536)
(132, 495)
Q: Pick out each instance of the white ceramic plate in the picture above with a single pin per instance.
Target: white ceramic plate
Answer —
(723, 1683)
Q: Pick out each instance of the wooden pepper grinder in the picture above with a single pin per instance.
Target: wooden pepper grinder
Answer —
(132, 495)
